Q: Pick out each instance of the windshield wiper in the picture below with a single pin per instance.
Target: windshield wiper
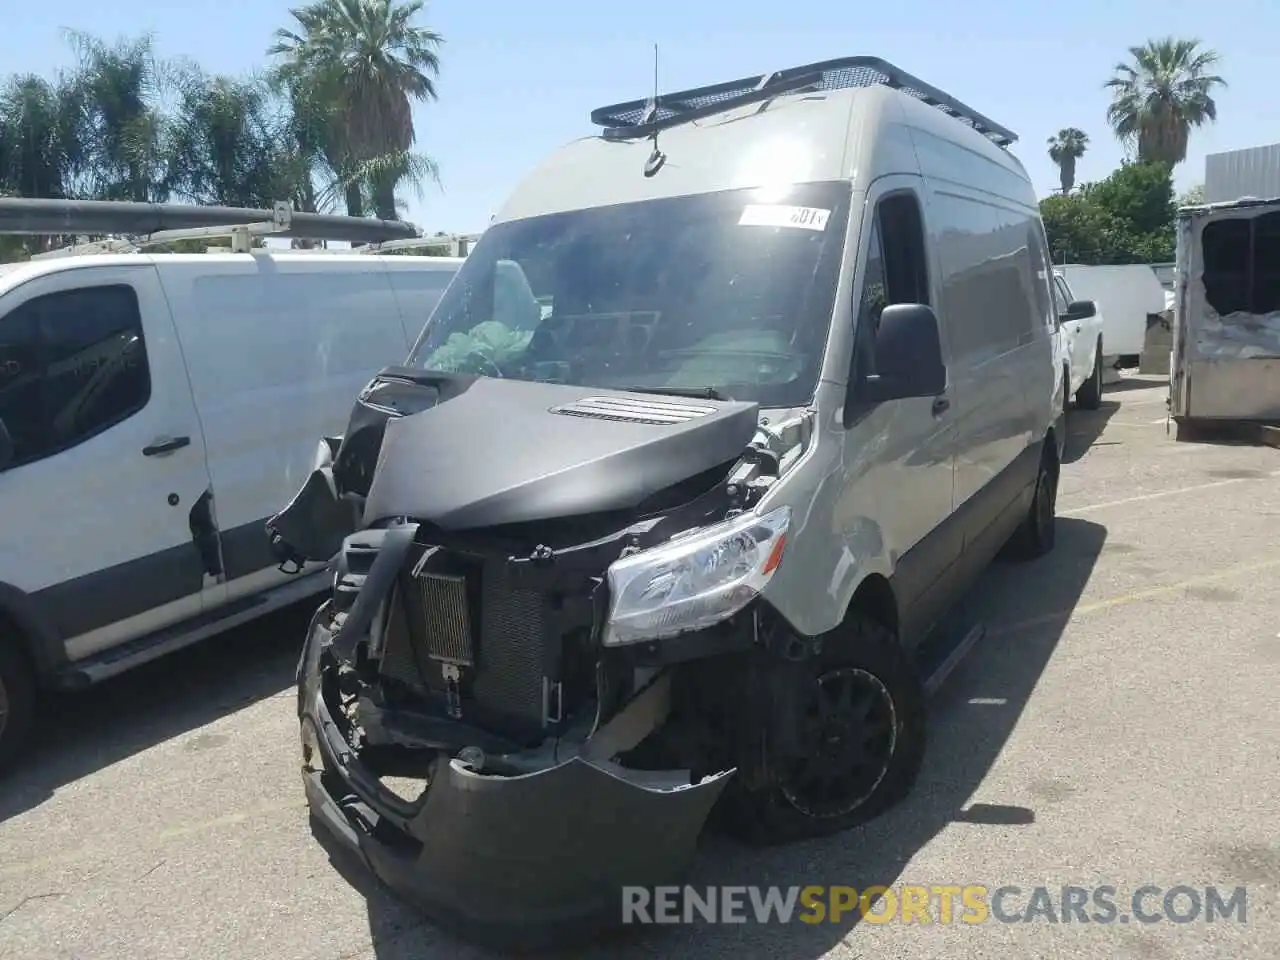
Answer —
(697, 393)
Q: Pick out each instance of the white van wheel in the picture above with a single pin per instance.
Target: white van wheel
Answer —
(1089, 396)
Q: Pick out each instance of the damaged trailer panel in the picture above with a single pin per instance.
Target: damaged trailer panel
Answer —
(1226, 332)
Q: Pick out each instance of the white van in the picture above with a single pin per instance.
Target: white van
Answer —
(783, 385)
(156, 410)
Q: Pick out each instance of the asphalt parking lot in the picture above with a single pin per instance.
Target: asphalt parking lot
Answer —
(1117, 726)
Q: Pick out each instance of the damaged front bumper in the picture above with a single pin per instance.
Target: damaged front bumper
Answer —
(527, 860)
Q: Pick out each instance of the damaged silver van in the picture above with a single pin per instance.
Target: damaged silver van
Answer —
(721, 416)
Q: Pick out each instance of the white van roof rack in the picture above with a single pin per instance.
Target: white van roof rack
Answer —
(148, 224)
(637, 119)
(458, 243)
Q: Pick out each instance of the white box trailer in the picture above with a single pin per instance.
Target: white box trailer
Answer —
(1126, 296)
(1225, 364)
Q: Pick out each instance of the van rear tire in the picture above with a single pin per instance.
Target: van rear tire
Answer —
(17, 698)
(1037, 534)
(852, 764)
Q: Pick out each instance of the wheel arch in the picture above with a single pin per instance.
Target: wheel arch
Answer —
(38, 639)
(875, 599)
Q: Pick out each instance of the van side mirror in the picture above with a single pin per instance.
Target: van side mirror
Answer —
(908, 356)
(1081, 310)
(6, 447)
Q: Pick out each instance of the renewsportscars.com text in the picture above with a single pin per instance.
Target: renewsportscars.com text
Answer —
(934, 904)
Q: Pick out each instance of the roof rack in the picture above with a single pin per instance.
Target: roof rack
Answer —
(459, 244)
(636, 119)
(148, 224)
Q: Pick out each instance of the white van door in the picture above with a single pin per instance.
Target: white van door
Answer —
(279, 346)
(97, 502)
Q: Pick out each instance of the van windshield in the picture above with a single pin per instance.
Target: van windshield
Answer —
(729, 292)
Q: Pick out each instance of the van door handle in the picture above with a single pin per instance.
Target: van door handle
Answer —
(165, 446)
(940, 406)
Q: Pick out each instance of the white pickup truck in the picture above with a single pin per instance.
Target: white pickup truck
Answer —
(1079, 345)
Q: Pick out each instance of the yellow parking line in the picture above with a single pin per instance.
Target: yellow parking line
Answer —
(1163, 493)
(1137, 596)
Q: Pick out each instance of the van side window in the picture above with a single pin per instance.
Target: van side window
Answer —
(902, 230)
(895, 271)
(72, 364)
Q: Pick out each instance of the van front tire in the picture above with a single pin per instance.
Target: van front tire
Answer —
(861, 717)
(17, 698)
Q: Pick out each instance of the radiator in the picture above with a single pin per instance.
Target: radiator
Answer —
(447, 613)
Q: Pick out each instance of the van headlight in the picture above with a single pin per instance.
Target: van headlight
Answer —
(694, 581)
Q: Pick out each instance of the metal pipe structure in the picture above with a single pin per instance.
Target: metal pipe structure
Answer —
(41, 217)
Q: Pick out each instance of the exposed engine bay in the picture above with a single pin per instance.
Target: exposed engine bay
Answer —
(578, 604)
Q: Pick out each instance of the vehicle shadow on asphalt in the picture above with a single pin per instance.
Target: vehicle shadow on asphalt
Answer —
(1025, 608)
(80, 733)
(1136, 381)
(1084, 427)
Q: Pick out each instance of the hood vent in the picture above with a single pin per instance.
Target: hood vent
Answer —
(629, 410)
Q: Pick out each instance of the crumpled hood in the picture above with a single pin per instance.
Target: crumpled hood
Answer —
(499, 452)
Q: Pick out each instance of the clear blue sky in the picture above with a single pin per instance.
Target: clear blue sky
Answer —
(519, 78)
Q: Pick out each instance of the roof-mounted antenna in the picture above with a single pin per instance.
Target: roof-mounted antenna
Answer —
(657, 158)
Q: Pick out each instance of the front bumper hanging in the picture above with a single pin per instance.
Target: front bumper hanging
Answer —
(514, 861)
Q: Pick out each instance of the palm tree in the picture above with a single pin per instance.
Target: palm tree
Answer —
(117, 88)
(1161, 95)
(1064, 150)
(370, 62)
(228, 144)
(41, 146)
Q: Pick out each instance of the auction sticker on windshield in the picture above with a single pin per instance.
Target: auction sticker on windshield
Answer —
(783, 215)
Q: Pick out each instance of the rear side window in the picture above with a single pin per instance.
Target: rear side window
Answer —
(994, 274)
(72, 364)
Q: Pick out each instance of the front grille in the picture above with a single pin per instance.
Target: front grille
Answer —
(446, 618)
(513, 646)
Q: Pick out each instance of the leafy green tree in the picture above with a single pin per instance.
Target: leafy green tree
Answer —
(1065, 149)
(1126, 218)
(1161, 95)
(1079, 231)
(1138, 194)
